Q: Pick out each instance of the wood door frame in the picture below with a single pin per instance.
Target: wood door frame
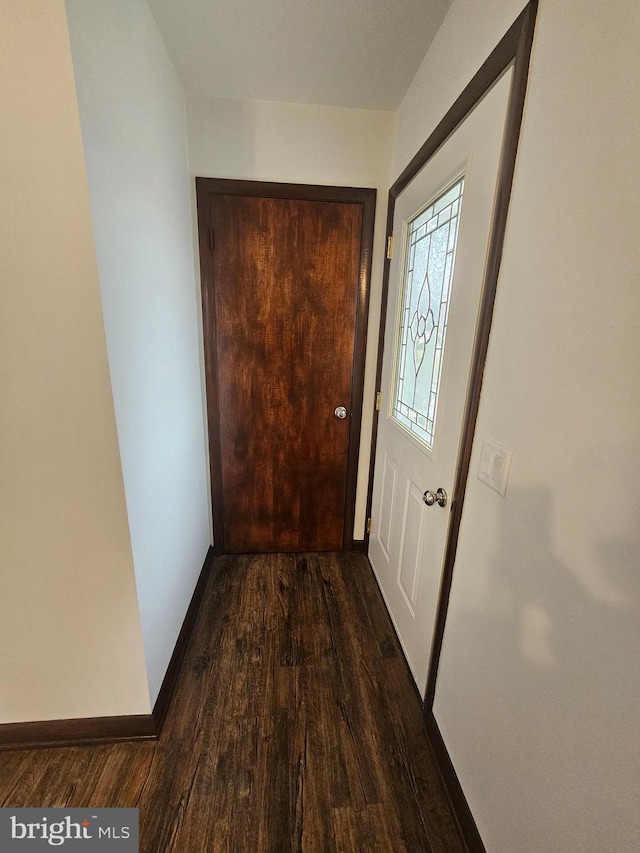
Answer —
(366, 197)
(513, 51)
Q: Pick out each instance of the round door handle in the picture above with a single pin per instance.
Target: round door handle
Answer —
(440, 497)
(341, 413)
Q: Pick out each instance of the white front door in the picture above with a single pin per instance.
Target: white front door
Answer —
(441, 232)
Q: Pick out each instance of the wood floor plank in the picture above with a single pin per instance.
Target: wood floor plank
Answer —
(367, 591)
(369, 828)
(220, 807)
(370, 708)
(405, 720)
(14, 765)
(116, 775)
(294, 728)
(54, 778)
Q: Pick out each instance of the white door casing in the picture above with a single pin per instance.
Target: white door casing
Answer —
(408, 538)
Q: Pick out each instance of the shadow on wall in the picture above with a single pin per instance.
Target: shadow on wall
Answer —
(546, 697)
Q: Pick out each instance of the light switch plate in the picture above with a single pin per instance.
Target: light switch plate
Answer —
(495, 465)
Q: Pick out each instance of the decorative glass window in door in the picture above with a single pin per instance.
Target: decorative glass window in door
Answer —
(430, 255)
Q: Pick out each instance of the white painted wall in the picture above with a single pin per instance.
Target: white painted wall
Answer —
(298, 143)
(70, 642)
(539, 689)
(132, 112)
(466, 37)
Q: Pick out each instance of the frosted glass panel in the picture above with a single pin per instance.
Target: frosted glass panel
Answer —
(430, 256)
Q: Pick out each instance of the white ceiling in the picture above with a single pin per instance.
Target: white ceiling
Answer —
(350, 53)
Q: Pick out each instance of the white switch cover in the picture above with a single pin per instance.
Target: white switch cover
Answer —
(495, 464)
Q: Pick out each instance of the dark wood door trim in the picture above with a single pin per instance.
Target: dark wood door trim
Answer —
(514, 50)
(366, 197)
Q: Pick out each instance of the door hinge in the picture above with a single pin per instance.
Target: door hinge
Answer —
(212, 242)
(368, 525)
(378, 400)
(390, 247)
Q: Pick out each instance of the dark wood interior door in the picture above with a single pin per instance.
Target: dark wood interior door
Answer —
(280, 324)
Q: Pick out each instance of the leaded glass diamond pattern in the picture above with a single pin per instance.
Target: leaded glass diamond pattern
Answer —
(430, 256)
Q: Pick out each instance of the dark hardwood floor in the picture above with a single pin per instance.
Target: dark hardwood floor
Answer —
(295, 727)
